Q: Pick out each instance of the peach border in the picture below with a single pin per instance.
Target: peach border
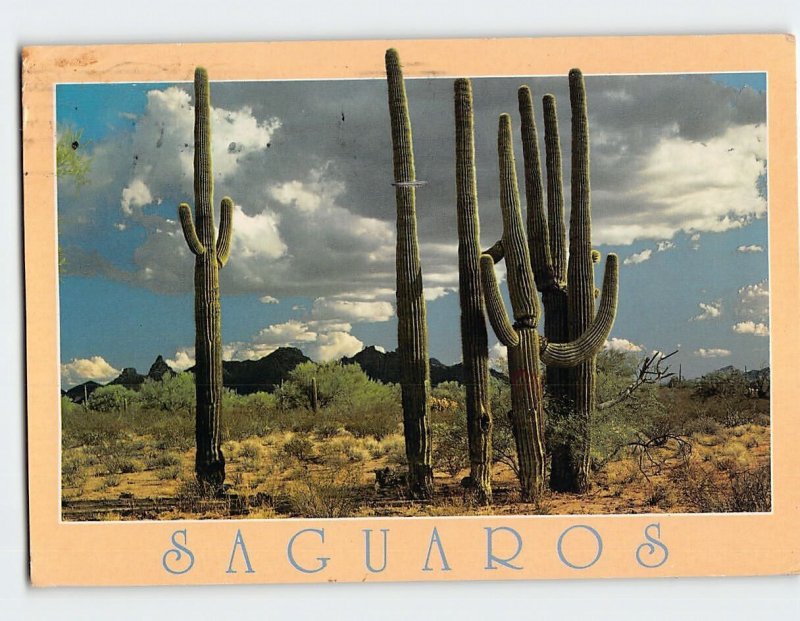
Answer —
(131, 553)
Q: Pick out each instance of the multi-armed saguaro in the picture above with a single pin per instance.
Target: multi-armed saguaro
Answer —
(568, 291)
(474, 341)
(211, 253)
(525, 348)
(412, 331)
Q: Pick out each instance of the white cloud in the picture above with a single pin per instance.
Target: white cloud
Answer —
(434, 293)
(665, 245)
(79, 370)
(351, 310)
(693, 186)
(712, 353)
(498, 357)
(334, 345)
(750, 249)
(137, 194)
(182, 360)
(753, 302)
(256, 237)
(268, 299)
(751, 327)
(712, 310)
(618, 344)
(638, 257)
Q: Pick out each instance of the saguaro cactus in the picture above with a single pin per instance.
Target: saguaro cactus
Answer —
(568, 295)
(412, 331)
(525, 349)
(211, 253)
(474, 341)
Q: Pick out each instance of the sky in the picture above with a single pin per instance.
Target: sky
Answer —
(679, 192)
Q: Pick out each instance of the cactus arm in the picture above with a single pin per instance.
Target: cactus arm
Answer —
(521, 284)
(189, 232)
(538, 235)
(225, 231)
(495, 308)
(555, 195)
(592, 340)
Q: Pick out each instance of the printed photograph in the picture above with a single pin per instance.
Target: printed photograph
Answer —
(409, 297)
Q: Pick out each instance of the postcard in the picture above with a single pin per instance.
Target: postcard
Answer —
(489, 309)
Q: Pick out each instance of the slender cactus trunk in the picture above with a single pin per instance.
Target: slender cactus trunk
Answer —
(412, 331)
(474, 340)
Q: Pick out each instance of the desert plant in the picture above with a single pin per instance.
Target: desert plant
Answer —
(412, 330)
(112, 398)
(567, 285)
(211, 253)
(474, 340)
(525, 350)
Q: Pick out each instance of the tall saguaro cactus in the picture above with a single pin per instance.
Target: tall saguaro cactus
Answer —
(474, 341)
(568, 295)
(211, 253)
(412, 331)
(525, 348)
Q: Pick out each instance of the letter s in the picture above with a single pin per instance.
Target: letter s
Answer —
(650, 546)
(177, 553)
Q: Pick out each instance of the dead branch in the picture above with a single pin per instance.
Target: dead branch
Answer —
(648, 372)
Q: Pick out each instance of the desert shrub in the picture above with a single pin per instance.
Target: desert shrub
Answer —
(163, 460)
(175, 431)
(112, 480)
(173, 393)
(346, 396)
(450, 445)
(330, 493)
(724, 488)
(251, 453)
(120, 465)
(301, 448)
(169, 473)
(114, 398)
(394, 448)
(72, 471)
(702, 424)
(345, 448)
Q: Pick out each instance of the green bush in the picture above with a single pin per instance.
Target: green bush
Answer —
(114, 398)
(173, 393)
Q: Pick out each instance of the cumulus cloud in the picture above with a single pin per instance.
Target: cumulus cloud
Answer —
(498, 357)
(352, 310)
(712, 353)
(79, 370)
(638, 257)
(268, 299)
(753, 302)
(182, 360)
(619, 344)
(137, 194)
(751, 327)
(752, 248)
(665, 245)
(712, 310)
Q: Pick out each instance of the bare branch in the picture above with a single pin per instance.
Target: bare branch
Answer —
(649, 372)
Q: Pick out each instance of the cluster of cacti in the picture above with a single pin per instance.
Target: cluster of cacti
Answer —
(474, 341)
(211, 253)
(538, 260)
(568, 295)
(412, 330)
(526, 351)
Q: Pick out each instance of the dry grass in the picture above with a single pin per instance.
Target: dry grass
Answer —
(286, 474)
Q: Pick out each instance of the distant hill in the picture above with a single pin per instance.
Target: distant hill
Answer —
(265, 374)
(385, 367)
